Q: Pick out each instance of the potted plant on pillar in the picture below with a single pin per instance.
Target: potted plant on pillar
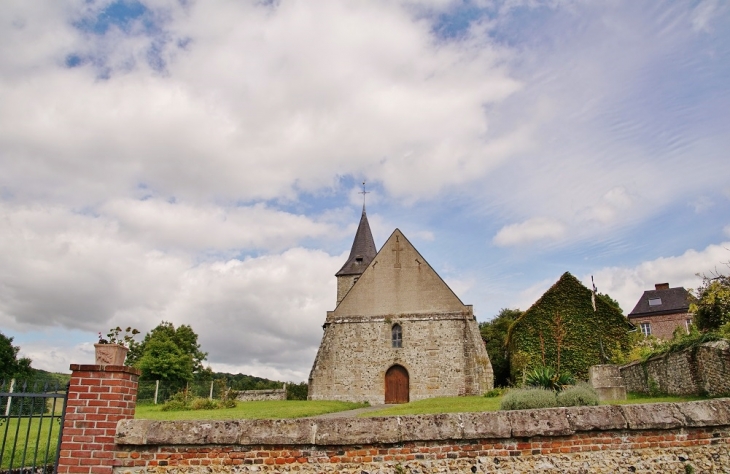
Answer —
(113, 350)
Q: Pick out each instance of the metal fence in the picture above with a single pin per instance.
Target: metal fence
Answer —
(31, 425)
(157, 391)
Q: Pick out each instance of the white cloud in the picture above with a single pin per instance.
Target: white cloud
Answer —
(90, 272)
(205, 227)
(627, 284)
(701, 204)
(610, 207)
(531, 230)
(374, 95)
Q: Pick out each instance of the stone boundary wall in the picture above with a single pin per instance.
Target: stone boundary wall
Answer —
(700, 370)
(259, 395)
(630, 438)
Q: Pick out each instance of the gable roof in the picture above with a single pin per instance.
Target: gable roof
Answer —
(673, 300)
(363, 249)
(399, 281)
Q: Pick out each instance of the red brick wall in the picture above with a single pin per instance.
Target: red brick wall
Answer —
(98, 397)
(429, 450)
(663, 325)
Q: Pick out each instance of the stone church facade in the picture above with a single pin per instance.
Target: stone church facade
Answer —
(398, 332)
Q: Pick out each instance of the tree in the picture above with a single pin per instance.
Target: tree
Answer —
(10, 365)
(494, 334)
(168, 354)
(606, 298)
(711, 305)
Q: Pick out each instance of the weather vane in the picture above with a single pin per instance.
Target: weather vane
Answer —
(363, 192)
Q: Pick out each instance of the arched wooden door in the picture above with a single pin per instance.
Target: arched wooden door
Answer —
(396, 385)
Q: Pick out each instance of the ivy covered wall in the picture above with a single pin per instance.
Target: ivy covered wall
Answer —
(562, 331)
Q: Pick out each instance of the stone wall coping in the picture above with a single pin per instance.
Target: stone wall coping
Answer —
(447, 426)
(721, 344)
(105, 368)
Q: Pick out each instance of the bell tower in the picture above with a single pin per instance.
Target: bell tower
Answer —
(362, 253)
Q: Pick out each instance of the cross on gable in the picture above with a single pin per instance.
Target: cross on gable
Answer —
(397, 249)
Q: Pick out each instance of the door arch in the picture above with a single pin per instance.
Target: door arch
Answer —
(396, 385)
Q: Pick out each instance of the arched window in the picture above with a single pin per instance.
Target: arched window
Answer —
(397, 335)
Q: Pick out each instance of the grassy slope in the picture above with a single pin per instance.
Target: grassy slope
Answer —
(249, 410)
(471, 404)
(302, 408)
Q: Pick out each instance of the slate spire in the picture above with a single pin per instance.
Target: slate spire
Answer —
(363, 249)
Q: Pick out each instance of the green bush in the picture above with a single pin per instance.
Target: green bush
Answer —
(581, 394)
(526, 398)
(199, 403)
(547, 377)
(174, 405)
(184, 401)
(495, 392)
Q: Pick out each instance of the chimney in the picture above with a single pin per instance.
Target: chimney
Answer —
(662, 286)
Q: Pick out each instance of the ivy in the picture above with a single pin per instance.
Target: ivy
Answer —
(562, 331)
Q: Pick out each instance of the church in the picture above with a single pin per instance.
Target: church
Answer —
(398, 332)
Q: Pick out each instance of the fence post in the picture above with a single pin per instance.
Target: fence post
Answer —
(157, 389)
(211, 390)
(98, 397)
(10, 399)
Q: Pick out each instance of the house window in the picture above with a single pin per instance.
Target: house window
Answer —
(687, 324)
(646, 329)
(655, 301)
(397, 335)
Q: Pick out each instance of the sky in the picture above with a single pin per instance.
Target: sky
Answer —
(199, 162)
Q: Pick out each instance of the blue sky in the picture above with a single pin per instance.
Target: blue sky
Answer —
(200, 162)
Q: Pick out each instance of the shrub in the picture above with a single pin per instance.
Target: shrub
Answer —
(547, 377)
(175, 405)
(581, 394)
(199, 403)
(495, 392)
(526, 398)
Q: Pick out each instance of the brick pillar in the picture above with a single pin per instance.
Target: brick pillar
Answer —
(98, 397)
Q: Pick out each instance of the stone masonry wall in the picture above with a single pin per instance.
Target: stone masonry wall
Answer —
(693, 371)
(440, 352)
(260, 395)
(657, 438)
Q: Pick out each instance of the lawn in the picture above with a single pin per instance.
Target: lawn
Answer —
(472, 404)
(250, 410)
(304, 408)
(42, 434)
(440, 405)
(636, 398)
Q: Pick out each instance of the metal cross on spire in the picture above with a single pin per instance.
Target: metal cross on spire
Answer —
(363, 192)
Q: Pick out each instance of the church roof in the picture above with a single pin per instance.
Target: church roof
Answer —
(399, 281)
(363, 249)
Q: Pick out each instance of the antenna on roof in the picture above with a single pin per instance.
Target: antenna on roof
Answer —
(363, 192)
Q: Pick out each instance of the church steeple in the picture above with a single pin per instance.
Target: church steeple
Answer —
(362, 253)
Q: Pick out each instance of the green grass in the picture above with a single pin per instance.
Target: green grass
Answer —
(440, 405)
(637, 398)
(302, 408)
(473, 404)
(272, 409)
(43, 456)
